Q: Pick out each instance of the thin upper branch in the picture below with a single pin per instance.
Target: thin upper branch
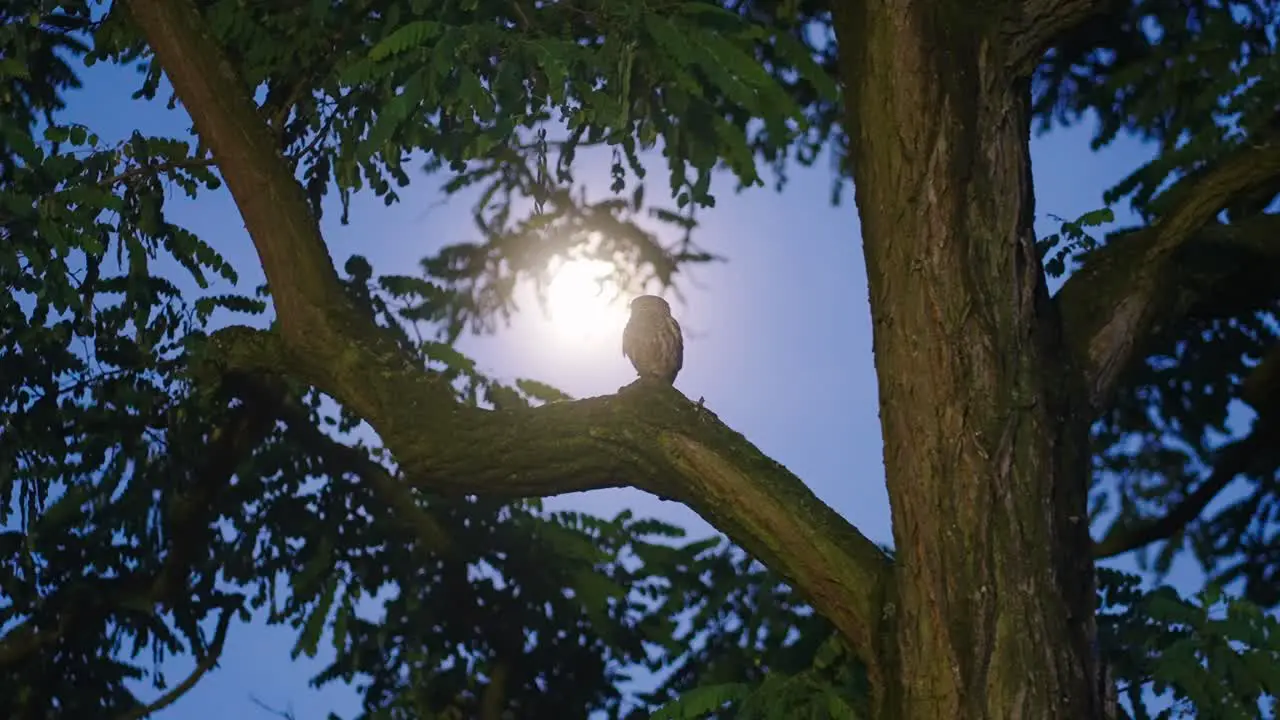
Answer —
(1233, 460)
(1139, 284)
(1262, 391)
(154, 169)
(304, 284)
(657, 441)
(203, 666)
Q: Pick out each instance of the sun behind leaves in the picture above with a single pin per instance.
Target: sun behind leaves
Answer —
(583, 302)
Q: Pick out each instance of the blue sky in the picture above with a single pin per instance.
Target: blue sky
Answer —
(779, 343)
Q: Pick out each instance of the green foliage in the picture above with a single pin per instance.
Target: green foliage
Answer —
(754, 649)
(505, 99)
(34, 68)
(832, 689)
(1199, 78)
(1071, 241)
(702, 701)
(1213, 656)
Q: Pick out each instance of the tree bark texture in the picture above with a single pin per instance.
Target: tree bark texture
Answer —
(984, 437)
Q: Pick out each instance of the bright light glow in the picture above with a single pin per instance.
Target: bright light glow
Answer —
(582, 300)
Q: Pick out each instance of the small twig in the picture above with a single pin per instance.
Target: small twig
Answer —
(286, 714)
(315, 141)
(524, 19)
(155, 169)
(205, 664)
(388, 489)
(281, 114)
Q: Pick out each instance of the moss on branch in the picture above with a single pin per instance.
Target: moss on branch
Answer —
(651, 437)
(646, 436)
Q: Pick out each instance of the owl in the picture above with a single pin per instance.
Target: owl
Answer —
(652, 339)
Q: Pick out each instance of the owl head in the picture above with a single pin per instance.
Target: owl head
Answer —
(650, 305)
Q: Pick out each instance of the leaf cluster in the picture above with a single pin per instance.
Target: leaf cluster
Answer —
(1210, 656)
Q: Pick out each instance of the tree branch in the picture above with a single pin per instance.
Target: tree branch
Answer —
(493, 699)
(154, 169)
(1141, 283)
(203, 666)
(304, 285)
(646, 437)
(1262, 388)
(1031, 27)
(1262, 391)
(1234, 459)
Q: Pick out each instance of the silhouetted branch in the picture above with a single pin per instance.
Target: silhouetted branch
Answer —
(155, 169)
(242, 431)
(396, 494)
(285, 714)
(1233, 460)
(493, 700)
(1262, 391)
(203, 665)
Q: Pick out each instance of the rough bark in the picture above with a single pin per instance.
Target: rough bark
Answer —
(1028, 28)
(985, 450)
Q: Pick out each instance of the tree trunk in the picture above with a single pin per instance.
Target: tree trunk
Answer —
(984, 436)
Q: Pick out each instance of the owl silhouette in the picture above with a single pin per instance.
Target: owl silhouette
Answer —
(652, 340)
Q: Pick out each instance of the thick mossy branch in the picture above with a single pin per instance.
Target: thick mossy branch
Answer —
(1147, 281)
(647, 437)
(651, 437)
